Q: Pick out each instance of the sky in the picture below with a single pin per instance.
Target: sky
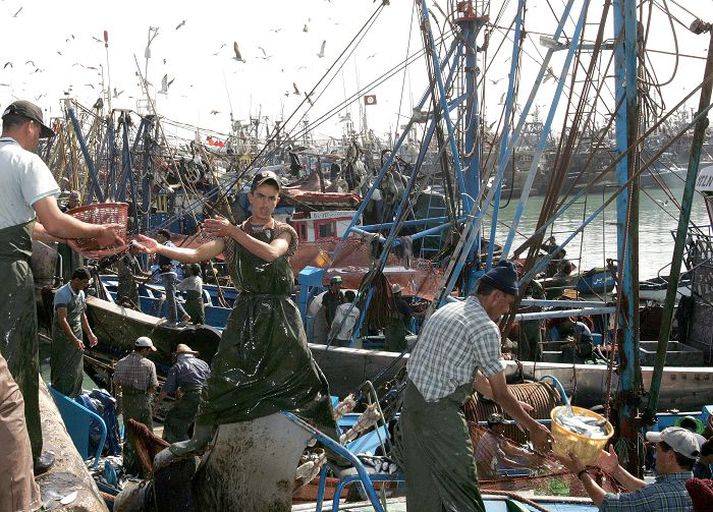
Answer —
(56, 50)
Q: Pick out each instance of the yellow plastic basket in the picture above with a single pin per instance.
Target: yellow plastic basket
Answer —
(584, 448)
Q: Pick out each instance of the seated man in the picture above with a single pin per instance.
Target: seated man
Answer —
(676, 452)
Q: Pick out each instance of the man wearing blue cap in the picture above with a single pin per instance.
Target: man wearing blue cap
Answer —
(459, 341)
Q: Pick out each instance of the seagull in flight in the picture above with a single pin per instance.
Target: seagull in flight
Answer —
(236, 49)
(97, 39)
(321, 49)
(8, 63)
(214, 112)
(18, 12)
(295, 90)
(165, 84)
(183, 22)
(117, 93)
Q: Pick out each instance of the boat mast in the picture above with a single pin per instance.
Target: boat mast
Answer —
(699, 136)
(629, 394)
(471, 21)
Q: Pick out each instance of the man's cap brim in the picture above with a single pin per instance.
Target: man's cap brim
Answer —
(654, 437)
(269, 179)
(46, 132)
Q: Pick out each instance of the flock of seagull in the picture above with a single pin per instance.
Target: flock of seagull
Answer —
(166, 81)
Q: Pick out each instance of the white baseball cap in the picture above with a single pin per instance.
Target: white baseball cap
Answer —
(679, 439)
(145, 342)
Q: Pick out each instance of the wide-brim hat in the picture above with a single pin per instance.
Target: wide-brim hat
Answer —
(396, 288)
(690, 421)
(145, 342)
(182, 348)
(30, 111)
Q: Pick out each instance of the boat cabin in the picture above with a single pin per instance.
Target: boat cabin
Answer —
(314, 226)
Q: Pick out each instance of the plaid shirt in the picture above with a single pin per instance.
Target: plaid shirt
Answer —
(458, 339)
(668, 493)
(135, 372)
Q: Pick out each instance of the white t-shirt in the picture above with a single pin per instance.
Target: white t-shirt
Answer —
(191, 283)
(345, 333)
(24, 180)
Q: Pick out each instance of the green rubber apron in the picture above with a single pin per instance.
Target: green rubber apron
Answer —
(66, 363)
(263, 364)
(182, 415)
(438, 453)
(135, 405)
(18, 323)
(194, 306)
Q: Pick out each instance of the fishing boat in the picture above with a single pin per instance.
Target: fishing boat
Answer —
(346, 369)
(459, 227)
(654, 289)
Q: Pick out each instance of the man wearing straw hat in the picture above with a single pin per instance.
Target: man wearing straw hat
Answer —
(28, 192)
(458, 342)
(185, 380)
(676, 452)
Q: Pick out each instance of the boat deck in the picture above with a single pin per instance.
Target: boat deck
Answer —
(492, 504)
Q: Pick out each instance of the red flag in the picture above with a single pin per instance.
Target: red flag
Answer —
(370, 99)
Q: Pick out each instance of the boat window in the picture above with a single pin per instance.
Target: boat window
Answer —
(327, 230)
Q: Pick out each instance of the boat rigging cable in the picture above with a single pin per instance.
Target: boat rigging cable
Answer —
(264, 152)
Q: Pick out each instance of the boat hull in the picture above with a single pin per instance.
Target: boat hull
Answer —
(346, 369)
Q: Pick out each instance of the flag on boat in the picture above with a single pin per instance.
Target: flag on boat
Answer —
(370, 99)
(212, 141)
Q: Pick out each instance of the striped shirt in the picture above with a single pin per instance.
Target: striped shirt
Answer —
(667, 494)
(135, 372)
(458, 339)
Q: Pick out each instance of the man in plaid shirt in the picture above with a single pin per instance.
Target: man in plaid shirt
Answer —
(459, 341)
(135, 376)
(676, 452)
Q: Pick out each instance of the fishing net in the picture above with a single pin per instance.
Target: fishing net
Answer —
(506, 466)
(100, 213)
(503, 463)
(354, 257)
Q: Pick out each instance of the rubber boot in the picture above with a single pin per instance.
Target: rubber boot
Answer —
(43, 463)
(202, 435)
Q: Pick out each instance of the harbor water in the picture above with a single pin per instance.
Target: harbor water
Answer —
(658, 218)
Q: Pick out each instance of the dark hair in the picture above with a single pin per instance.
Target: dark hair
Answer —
(349, 295)
(164, 232)
(683, 461)
(81, 273)
(484, 289)
(707, 448)
(13, 121)
(195, 269)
